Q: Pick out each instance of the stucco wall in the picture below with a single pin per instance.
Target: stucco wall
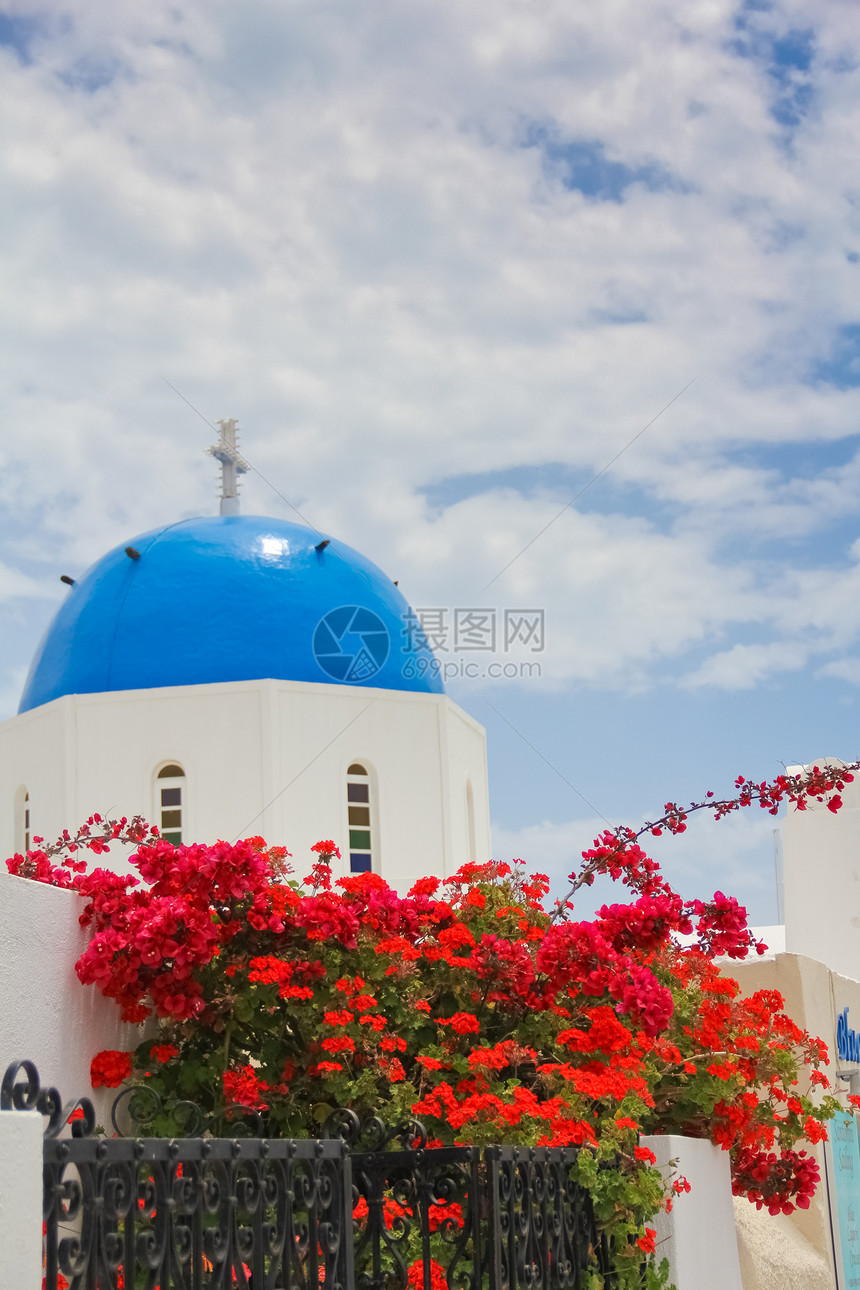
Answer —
(774, 1253)
(821, 859)
(698, 1235)
(46, 1015)
(814, 996)
(21, 1199)
(464, 756)
(34, 752)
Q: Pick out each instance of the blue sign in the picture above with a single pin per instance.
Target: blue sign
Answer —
(847, 1041)
(843, 1162)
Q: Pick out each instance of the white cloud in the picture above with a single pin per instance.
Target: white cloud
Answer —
(15, 585)
(347, 227)
(843, 669)
(745, 666)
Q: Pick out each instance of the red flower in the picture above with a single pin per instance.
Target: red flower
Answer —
(242, 1087)
(462, 1023)
(415, 1276)
(326, 849)
(393, 1044)
(163, 1052)
(110, 1068)
(338, 1044)
(646, 1243)
(445, 1216)
(425, 887)
(814, 1131)
(430, 1063)
(392, 1070)
(337, 1018)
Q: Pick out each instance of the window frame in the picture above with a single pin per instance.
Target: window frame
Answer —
(371, 828)
(161, 783)
(23, 819)
(471, 831)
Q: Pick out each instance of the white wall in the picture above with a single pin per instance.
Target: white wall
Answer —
(774, 1253)
(34, 754)
(260, 757)
(814, 996)
(821, 858)
(21, 1199)
(466, 761)
(698, 1235)
(46, 1015)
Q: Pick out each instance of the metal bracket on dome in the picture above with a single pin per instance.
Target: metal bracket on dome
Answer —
(232, 465)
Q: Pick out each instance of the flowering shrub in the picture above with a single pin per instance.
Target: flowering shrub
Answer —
(466, 1003)
(768, 1179)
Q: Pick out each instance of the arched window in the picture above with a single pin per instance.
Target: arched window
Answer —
(358, 808)
(169, 804)
(470, 821)
(23, 828)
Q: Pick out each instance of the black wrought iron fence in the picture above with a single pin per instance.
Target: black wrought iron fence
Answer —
(369, 1207)
(413, 1207)
(542, 1232)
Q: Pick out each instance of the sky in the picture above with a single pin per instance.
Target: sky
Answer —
(544, 306)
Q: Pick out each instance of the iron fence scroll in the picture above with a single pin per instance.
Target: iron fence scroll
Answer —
(413, 1205)
(369, 1206)
(544, 1235)
(188, 1213)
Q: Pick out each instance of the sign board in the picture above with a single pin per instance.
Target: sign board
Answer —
(843, 1177)
(847, 1040)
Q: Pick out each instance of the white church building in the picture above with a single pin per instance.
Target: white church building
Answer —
(237, 675)
(229, 676)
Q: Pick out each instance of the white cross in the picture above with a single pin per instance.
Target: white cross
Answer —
(232, 466)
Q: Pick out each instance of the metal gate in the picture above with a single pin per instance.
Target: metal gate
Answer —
(368, 1208)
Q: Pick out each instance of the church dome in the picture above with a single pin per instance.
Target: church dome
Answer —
(230, 598)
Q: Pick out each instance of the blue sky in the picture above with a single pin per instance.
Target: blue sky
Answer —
(444, 263)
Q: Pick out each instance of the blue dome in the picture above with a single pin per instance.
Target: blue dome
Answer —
(230, 598)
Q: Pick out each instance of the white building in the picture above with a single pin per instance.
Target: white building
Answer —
(234, 675)
(814, 963)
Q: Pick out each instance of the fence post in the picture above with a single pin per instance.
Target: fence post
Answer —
(21, 1199)
(698, 1237)
(347, 1241)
